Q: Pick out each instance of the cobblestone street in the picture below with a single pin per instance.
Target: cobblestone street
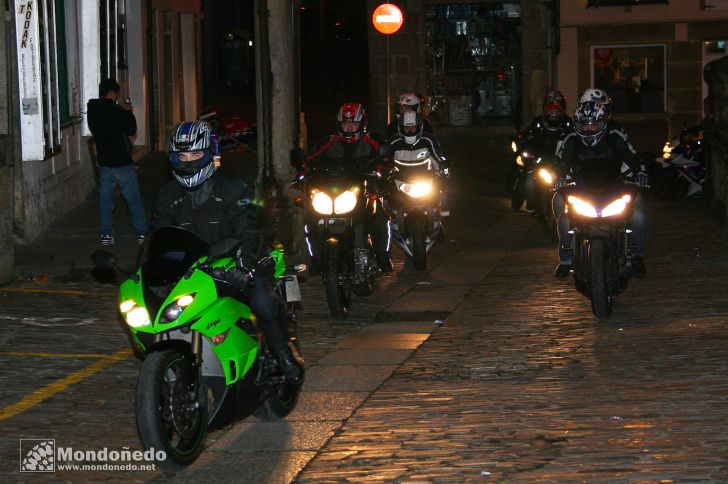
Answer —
(485, 368)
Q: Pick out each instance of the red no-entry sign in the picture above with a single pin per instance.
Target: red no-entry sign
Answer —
(387, 18)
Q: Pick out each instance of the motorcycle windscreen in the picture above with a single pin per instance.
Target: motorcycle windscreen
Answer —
(170, 251)
(599, 173)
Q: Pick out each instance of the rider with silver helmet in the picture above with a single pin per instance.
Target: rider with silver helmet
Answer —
(408, 102)
(216, 206)
(598, 145)
(412, 141)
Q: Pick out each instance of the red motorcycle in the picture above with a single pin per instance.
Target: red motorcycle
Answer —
(233, 133)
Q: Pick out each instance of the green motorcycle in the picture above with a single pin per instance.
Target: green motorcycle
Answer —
(206, 362)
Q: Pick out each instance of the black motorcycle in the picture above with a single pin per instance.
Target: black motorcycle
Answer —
(518, 171)
(413, 202)
(599, 214)
(340, 206)
(544, 175)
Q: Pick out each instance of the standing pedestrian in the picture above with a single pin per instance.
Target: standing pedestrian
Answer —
(111, 125)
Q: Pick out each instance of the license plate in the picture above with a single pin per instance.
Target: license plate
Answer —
(293, 292)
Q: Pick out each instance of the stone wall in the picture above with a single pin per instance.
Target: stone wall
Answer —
(716, 133)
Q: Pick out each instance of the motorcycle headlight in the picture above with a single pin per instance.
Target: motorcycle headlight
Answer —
(666, 150)
(582, 207)
(134, 315)
(514, 147)
(175, 308)
(519, 160)
(322, 203)
(345, 202)
(546, 176)
(616, 207)
(417, 189)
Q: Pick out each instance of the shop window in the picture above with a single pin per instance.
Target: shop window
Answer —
(473, 60)
(633, 75)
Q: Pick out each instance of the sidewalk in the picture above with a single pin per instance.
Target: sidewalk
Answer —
(64, 249)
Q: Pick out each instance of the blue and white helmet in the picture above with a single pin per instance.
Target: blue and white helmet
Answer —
(592, 114)
(192, 136)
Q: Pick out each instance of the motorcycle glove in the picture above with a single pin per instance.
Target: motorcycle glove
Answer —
(642, 179)
(238, 277)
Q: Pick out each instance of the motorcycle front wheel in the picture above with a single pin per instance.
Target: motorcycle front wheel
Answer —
(171, 412)
(598, 264)
(419, 245)
(338, 288)
(519, 193)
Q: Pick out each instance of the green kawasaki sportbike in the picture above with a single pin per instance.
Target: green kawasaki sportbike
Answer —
(206, 362)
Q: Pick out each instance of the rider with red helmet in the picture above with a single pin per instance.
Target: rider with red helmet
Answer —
(352, 144)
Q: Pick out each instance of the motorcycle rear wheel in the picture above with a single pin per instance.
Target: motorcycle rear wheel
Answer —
(338, 293)
(282, 400)
(166, 418)
(598, 264)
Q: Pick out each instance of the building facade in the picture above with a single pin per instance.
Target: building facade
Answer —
(56, 52)
(479, 62)
(649, 57)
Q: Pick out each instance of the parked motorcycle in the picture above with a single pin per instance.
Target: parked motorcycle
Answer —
(601, 263)
(682, 166)
(206, 362)
(413, 202)
(233, 133)
(340, 205)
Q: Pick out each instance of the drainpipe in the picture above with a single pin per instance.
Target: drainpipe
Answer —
(9, 55)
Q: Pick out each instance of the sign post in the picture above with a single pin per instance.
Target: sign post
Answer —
(387, 19)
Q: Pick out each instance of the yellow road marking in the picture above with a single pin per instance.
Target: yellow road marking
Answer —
(48, 391)
(53, 355)
(59, 291)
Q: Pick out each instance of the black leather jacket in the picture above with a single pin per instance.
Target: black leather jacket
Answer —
(542, 141)
(221, 207)
(613, 157)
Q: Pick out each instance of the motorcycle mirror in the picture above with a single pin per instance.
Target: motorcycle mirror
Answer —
(297, 157)
(385, 150)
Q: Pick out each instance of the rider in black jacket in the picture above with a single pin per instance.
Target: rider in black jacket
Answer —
(215, 206)
(599, 148)
(545, 132)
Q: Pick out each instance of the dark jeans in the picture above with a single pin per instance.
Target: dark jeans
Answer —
(270, 310)
(125, 177)
(636, 223)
